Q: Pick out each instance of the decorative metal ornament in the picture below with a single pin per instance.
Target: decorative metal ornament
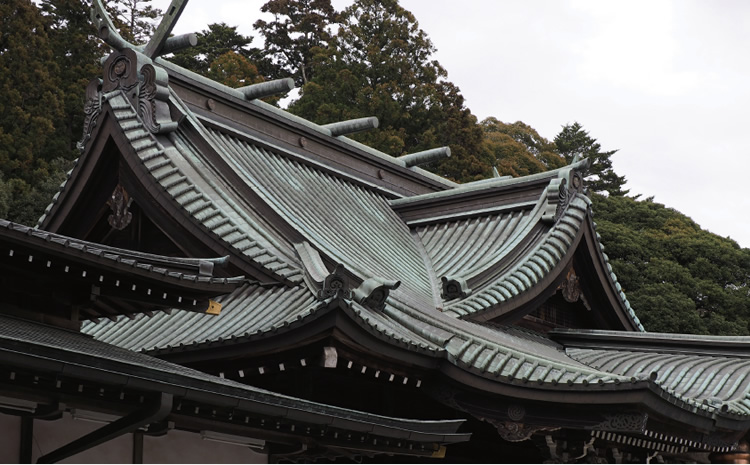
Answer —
(373, 292)
(119, 203)
(120, 71)
(560, 192)
(516, 412)
(454, 288)
(335, 285)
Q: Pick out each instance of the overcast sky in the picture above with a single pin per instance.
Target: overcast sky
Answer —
(665, 82)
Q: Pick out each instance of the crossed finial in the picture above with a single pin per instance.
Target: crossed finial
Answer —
(160, 43)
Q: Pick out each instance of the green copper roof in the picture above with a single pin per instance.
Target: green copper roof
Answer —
(710, 373)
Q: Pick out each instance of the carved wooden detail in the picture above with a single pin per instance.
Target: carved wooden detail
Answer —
(91, 109)
(119, 203)
(570, 288)
(624, 422)
(513, 431)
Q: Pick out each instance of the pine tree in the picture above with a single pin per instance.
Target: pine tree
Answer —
(380, 64)
(574, 141)
(214, 42)
(134, 19)
(31, 110)
(298, 27)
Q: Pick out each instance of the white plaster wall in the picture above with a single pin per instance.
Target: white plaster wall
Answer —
(49, 435)
(184, 447)
(175, 447)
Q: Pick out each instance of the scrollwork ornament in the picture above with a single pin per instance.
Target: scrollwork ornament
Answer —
(91, 109)
(152, 104)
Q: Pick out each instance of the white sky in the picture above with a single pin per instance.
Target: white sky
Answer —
(665, 82)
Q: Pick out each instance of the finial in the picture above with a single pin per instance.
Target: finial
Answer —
(161, 35)
(160, 43)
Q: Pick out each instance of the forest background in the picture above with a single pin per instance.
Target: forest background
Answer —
(371, 59)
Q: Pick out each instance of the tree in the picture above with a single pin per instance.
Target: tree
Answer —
(678, 277)
(574, 141)
(214, 42)
(135, 19)
(31, 106)
(298, 27)
(517, 149)
(77, 52)
(380, 64)
(233, 70)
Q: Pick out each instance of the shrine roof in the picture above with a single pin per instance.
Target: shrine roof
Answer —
(72, 357)
(193, 270)
(707, 372)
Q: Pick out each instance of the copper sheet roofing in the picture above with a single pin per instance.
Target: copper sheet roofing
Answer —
(708, 372)
(354, 223)
(73, 357)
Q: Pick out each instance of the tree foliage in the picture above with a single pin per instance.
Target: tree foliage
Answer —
(573, 141)
(33, 131)
(380, 64)
(678, 277)
(298, 27)
(135, 19)
(214, 42)
(517, 149)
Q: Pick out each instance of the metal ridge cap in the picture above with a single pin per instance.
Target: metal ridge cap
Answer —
(278, 112)
(485, 185)
(499, 209)
(625, 339)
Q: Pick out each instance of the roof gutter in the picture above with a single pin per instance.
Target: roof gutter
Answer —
(153, 412)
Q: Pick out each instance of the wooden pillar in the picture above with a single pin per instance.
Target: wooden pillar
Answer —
(138, 446)
(739, 455)
(27, 439)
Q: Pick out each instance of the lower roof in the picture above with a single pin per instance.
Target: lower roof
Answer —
(28, 346)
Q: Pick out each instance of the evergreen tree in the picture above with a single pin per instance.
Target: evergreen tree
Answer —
(574, 141)
(135, 19)
(214, 42)
(380, 64)
(77, 53)
(517, 149)
(34, 135)
(678, 277)
(298, 27)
